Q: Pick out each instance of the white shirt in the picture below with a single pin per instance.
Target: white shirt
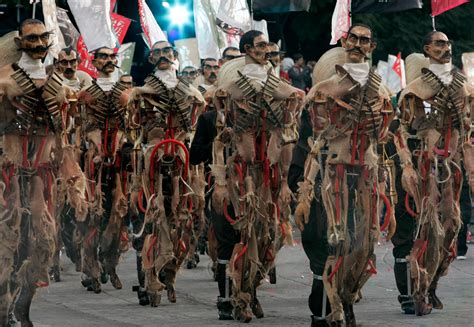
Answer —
(255, 72)
(33, 67)
(105, 83)
(74, 84)
(443, 71)
(168, 77)
(358, 71)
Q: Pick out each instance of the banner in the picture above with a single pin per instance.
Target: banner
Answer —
(93, 19)
(281, 6)
(188, 52)
(51, 23)
(69, 32)
(440, 6)
(208, 37)
(120, 25)
(151, 30)
(373, 6)
(124, 60)
(341, 20)
(86, 59)
(467, 59)
(396, 80)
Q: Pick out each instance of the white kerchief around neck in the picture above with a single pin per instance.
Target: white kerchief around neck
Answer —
(255, 72)
(105, 83)
(33, 67)
(74, 83)
(168, 77)
(443, 71)
(358, 71)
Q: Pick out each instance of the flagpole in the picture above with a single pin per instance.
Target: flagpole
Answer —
(34, 10)
(251, 14)
(433, 22)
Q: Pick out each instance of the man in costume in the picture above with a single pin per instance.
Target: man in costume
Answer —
(160, 114)
(252, 141)
(104, 236)
(229, 54)
(436, 116)
(189, 74)
(209, 69)
(349, 113)
(33, 111)
(66, 64)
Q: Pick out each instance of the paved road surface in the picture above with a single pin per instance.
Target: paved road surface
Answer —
(285, 304)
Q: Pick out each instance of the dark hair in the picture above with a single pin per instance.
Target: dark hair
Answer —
(427, 40)
(96, 51)
(29, 21)
(229, 49)
(188, 67)
(362, 25)
(247, 39)
(68, 51)
(297, 56)
(203, 62)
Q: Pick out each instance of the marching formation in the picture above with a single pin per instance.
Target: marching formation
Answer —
(225, 163)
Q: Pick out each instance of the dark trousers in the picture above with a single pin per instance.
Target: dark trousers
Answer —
(226, 237)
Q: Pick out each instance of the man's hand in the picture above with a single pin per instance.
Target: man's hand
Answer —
(226, 135)
(410, 181)
(302, 215)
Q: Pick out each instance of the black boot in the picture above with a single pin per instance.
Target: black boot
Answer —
(407, 303)
(54, 274)
(318, 322)
(142, 294)
(349, 315)
(272, 275)
(434, 300)
(224, 309)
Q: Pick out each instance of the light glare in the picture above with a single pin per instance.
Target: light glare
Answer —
(179, 15)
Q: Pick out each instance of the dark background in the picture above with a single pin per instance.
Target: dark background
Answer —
(304, 32)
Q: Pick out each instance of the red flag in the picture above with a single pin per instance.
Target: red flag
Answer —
(86, 59)
(397, 65)
(120, 25)
(112, 5)
(440, 6)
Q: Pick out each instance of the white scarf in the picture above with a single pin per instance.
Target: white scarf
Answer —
(358, 71)
(168, 77)
(443, 71)
(74, 83)
(33, 67)
(105, 83)
(255, 72)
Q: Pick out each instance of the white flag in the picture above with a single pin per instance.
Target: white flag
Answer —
(51, 23)
(207, 35)
(341, 20)
(93, 19)
(395, 82)
(151, 30)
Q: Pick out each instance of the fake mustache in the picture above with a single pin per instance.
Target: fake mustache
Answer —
(447, 55)
(163, 59)
(69, 71)
(357, 50)
(213, 75)
(37, 49)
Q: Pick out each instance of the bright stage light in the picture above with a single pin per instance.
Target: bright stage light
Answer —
(179, 15)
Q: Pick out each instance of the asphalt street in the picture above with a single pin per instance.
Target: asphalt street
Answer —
(67, 303)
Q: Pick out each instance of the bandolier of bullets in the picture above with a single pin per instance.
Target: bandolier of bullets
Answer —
(120, 110)
(368, 107)
(28, 100)
(100, 109)
(447, 101)
(51, 89)
(274, 110)
(183, 109)
(166, 101)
